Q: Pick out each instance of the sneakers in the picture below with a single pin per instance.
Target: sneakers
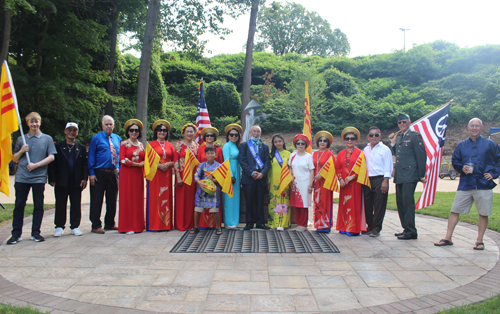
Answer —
(37, 238)
(14, 240)
(59, 231)
(76, 232)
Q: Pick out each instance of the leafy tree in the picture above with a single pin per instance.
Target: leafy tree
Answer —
(290, 28)
(222, 99)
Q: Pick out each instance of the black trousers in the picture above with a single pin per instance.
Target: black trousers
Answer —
(375, 203)
(107, 183)
(405, 199)
(75, 198)
(22, 191)
(254, 193)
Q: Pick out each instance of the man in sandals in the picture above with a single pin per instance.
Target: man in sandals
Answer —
(478, 161)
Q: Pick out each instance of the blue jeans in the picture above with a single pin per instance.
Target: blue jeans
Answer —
(22, 191)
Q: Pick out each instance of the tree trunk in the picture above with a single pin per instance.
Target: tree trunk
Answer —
(6, 36)
(144, 68)
(247, 72)
(111, 64)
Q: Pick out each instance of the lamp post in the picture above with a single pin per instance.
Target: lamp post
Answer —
(404, 37)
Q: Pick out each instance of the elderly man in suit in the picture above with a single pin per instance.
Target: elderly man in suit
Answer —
(254, 161)
(411, 158)
(68, 175)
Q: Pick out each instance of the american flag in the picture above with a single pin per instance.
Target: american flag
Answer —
(202, 118)
(433, 130)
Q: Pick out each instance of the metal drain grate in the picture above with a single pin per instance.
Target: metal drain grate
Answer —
(255, 241)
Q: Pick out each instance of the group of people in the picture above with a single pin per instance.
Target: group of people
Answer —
(113, 163)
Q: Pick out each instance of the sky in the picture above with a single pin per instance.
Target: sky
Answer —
(373, 27)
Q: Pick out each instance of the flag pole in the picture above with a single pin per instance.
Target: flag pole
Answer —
(12, 89)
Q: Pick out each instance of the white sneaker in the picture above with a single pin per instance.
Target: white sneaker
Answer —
(280, 229)
(59, 231)
(76, 232)
(130, 232)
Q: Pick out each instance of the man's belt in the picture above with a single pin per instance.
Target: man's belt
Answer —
(106, 170)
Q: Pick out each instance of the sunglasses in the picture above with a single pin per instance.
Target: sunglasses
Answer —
(323, 141)
(162, 131)
(350, 139)
(300, 143)
(402, 122)
(134, 130)
(234, 134)
(374, 134)
(210, 135)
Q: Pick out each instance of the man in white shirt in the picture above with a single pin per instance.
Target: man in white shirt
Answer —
(379, 165)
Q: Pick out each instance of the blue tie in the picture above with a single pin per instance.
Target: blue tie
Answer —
(256, 145)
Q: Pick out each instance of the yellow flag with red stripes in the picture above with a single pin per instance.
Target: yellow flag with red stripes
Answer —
(329, 174)
(190, 162)
(285, 179)
(8, 124)
(361, 171)
(306, 130)
(151, 163)
(223, 175)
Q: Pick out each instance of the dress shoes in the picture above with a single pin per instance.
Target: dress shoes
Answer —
(110, 228)
(248, 227)
(98, 230)
(408, 237)
(262, 226)
(399, 234)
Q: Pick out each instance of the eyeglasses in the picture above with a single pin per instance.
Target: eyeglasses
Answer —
(134, 130)
(162, 131)
(402, 122)
(350, 139)
(300, 143)
(323, 141)
(374, 134)
(234, 134)
(210, 135)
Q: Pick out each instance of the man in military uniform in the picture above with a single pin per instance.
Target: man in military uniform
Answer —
(411, 157)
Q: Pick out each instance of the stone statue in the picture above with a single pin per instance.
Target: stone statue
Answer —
(252, 118)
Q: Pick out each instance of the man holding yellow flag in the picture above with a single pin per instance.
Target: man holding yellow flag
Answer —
(31, 175)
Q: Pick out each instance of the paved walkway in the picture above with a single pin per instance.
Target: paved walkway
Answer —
(117, 273)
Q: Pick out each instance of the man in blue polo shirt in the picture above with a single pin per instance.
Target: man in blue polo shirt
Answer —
(478, 161)
(31, 175)
(103, 165)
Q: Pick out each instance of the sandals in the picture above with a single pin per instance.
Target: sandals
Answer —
(194, 231)
(218, 231)
(479, 246)
(443, 242)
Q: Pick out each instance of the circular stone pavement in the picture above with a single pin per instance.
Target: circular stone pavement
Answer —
(118, 273)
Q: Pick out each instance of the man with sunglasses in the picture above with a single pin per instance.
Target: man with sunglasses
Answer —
(379, 165)
(68, 175)
(411, 158)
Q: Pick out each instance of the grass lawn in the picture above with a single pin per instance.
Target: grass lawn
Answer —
(16, 309)
(486, 307)
(442, 206)
(6, 214)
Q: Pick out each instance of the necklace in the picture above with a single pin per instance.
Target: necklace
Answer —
(319, 157)
(70, 148)
(136, 144)
(163, 148)
(348, 159)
